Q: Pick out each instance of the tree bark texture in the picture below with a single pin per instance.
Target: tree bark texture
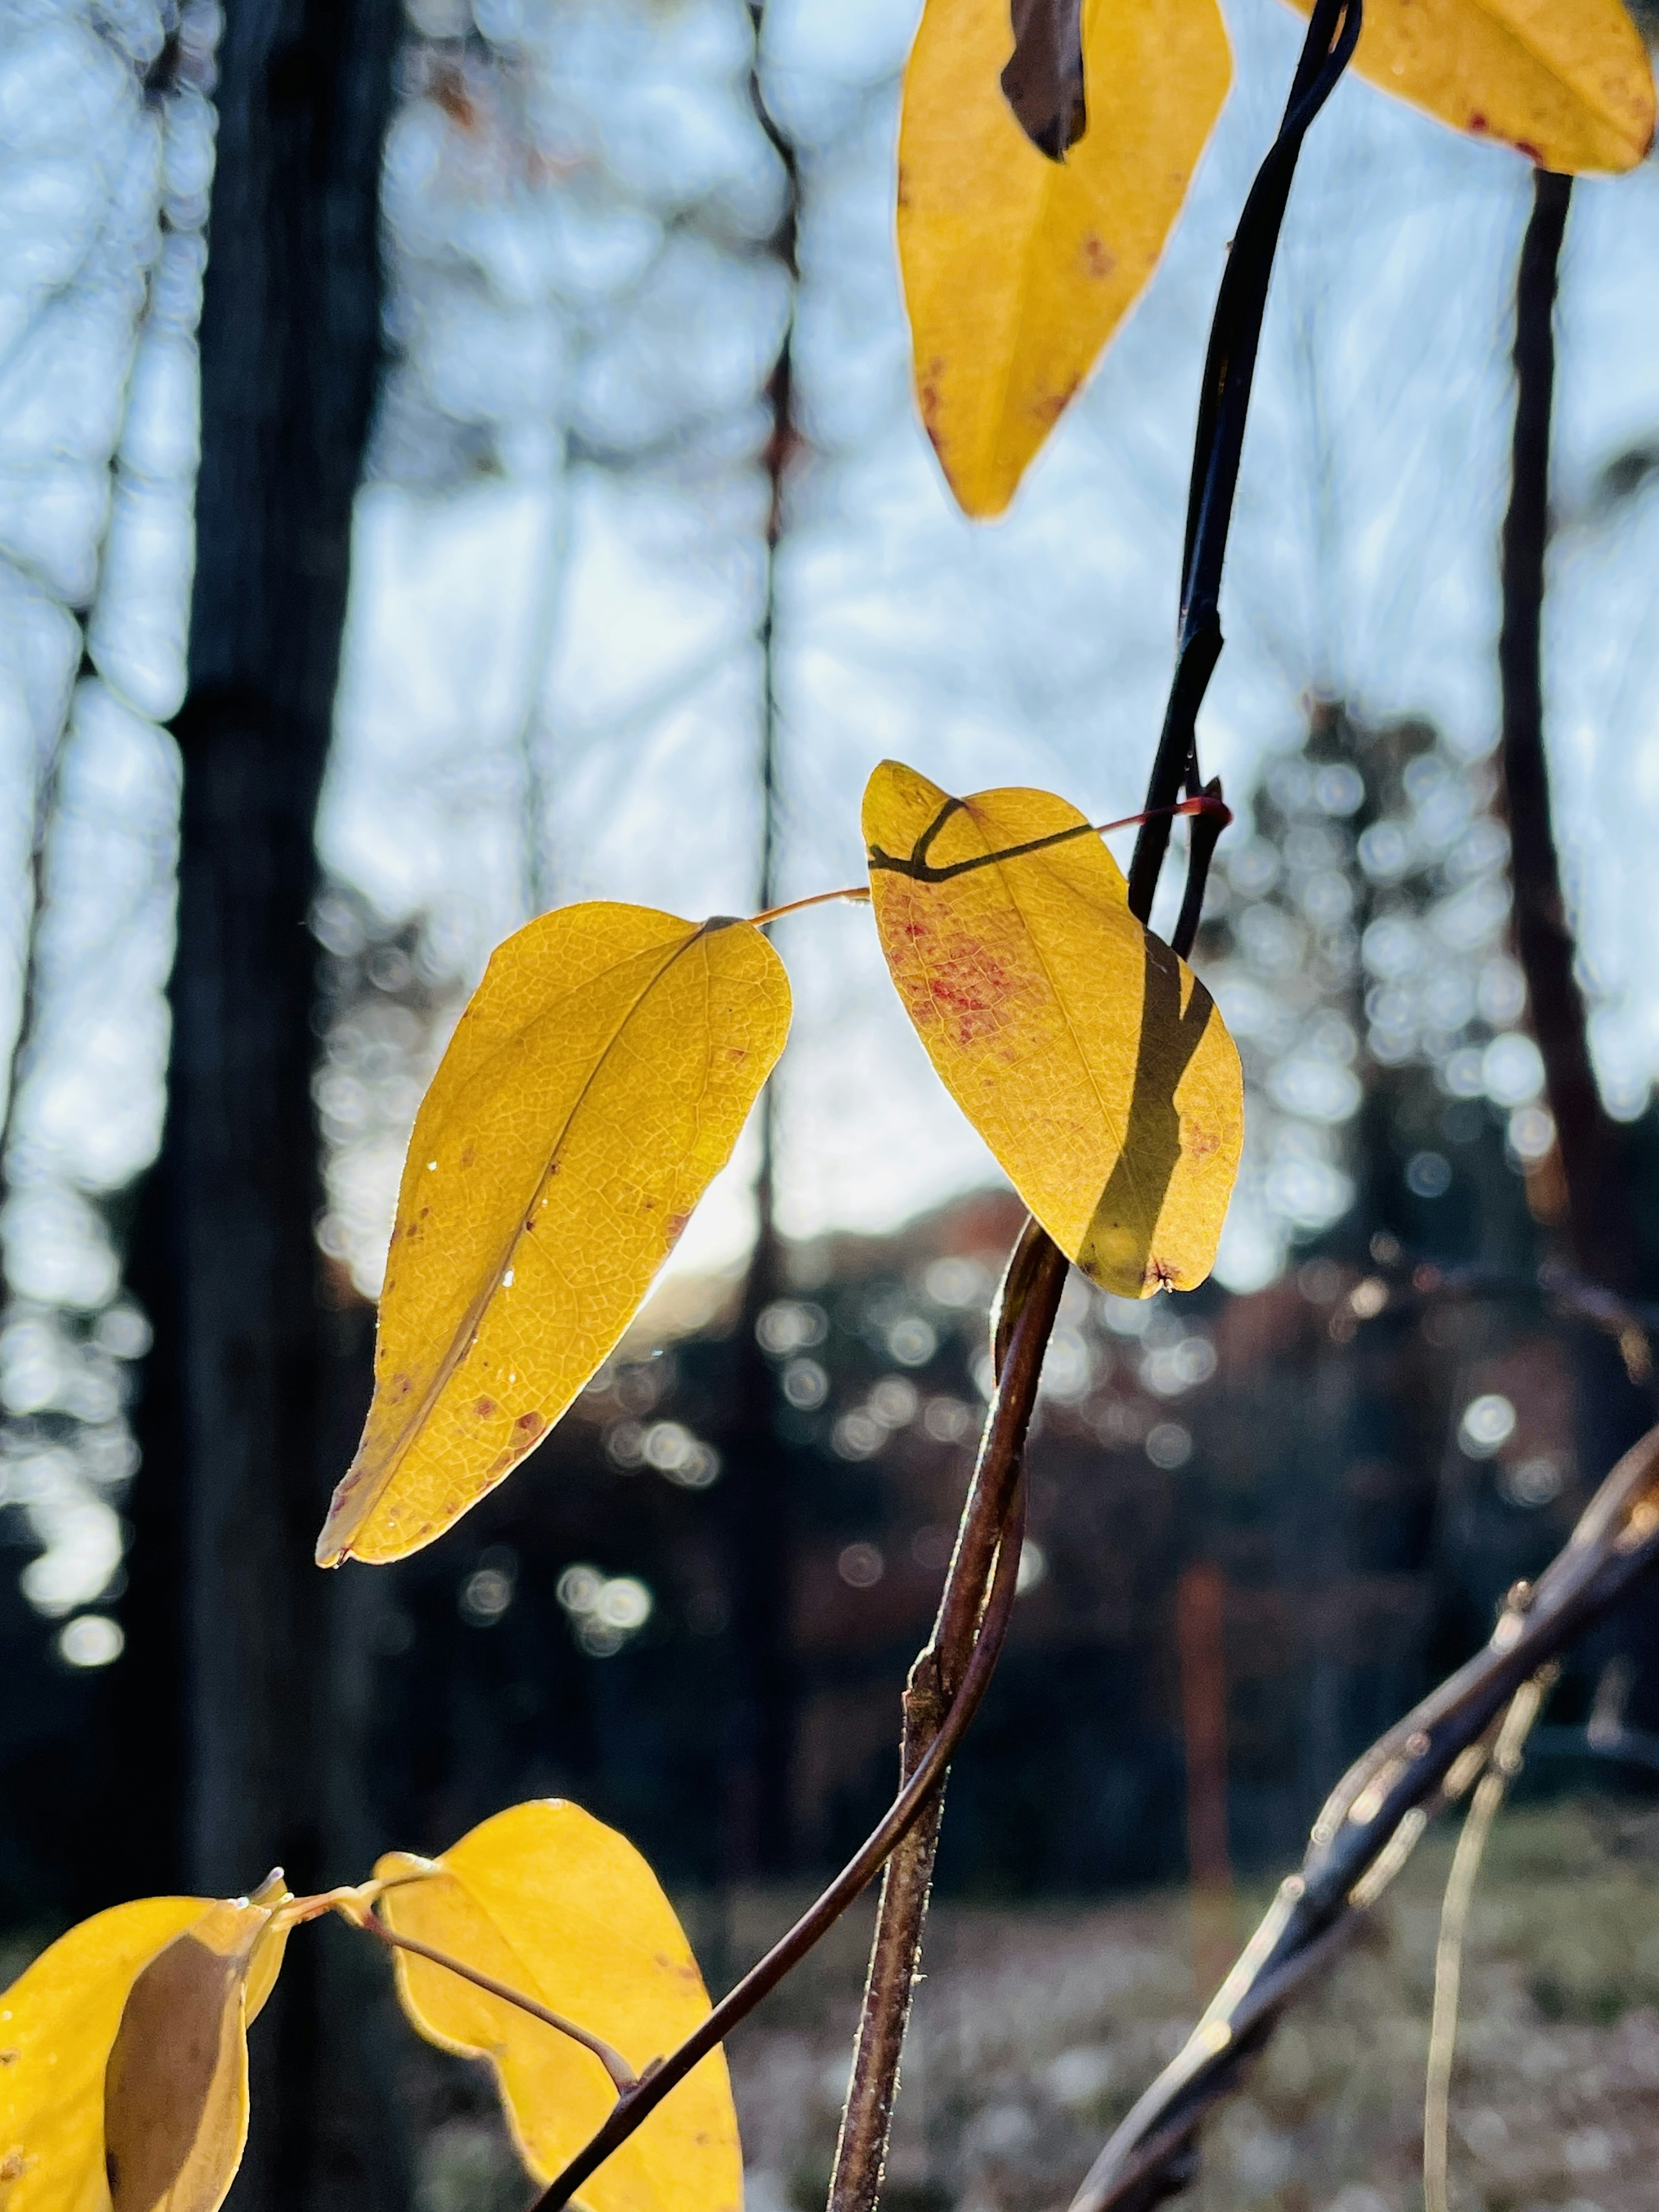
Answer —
(244, 1413)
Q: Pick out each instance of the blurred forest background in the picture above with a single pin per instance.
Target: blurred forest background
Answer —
(457, 459)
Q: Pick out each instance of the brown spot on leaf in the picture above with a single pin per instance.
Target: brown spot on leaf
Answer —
(1098, 259)
(484, 1408)
(530, 1424)
(1199, 1143)
(1478, 122)
(1052, 404)
(927, 398)
(468, 1155)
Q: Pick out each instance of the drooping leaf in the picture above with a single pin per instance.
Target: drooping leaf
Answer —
(58, 2022)
(595, 1085)
(1568, 83)
(175, 2090)
(546, 1899)
(1089, 1058)
(1018, 268)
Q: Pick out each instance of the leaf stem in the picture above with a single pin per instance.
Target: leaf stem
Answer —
(623, 2076)
(800, 906)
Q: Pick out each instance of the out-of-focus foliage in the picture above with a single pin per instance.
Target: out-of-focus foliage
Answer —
(549, 1900)
(1091, 1060)
(595, 1083)
(1358, 928)
(1017, 268)
(106, 157)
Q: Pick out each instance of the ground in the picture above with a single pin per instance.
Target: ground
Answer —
(1036, 2027)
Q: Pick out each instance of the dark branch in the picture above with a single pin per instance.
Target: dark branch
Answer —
(1224, 407)
(1369, 1823)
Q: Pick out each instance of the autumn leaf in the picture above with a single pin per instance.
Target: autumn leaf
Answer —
(1089, 1057)
(175, 2091)
(547, 1900)
(59, 2022)
(1568, 83)
(1018, 268)
(595, 1085)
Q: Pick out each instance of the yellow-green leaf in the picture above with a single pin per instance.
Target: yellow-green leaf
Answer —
(1568, 83)
(175, 2091)
(595, 1085)
(58, 2022)
(547, 1900)
(1018, 269)
(1092, 1061)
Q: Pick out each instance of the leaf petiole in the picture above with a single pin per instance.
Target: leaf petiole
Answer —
(1208, 804)
(352, 1907)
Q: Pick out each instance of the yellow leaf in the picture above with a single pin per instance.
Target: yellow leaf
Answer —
(1568, 83)
(1092, 1061)
(547, 1900)
(176, 2092)
(1018, 269)
(596, 1084)
(58, 2022)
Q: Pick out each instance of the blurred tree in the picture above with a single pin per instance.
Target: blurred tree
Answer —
(237, 1426)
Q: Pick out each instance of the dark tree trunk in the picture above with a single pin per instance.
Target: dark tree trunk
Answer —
(241, 1420)
(1600, 1224)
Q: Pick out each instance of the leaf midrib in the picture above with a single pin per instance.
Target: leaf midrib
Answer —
(467, 1327)
(1119, 1136)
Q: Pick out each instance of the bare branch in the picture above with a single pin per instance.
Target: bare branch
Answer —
(1367, 1826)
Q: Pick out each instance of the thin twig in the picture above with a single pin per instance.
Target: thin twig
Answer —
(1375, 1815)
(1454, 1927)
(621, 2073)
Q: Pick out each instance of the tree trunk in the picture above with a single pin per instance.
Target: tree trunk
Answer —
(241, 1417)
(1600, 1226)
